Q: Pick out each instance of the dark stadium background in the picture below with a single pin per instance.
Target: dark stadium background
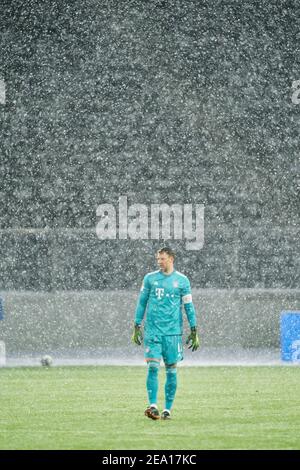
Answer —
(161, 101)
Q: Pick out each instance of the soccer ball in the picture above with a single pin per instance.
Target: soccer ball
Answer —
(46, 361)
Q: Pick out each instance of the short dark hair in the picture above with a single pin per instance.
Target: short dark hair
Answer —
(166, 249)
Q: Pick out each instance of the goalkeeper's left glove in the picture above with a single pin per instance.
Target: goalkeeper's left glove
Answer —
(137, 336)
(194, 338)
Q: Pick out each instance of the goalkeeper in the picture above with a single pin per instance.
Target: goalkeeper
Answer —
(164, 291)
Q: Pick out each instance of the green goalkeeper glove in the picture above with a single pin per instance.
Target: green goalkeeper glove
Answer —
(194, 338)
(137, 336)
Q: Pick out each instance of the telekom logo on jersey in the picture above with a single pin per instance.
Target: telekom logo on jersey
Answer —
(159, 292)
(159, 221)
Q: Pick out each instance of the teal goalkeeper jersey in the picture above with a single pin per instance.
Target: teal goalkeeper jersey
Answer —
(165, 294)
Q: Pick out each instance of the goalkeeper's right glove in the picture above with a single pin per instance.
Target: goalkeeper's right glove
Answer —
(194, 338)
(137, 336)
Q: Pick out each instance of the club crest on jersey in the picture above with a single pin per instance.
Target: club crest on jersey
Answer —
(175, 284)
(159, 292)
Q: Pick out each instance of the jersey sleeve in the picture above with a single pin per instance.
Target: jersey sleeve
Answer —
(187, 300)
(142, 300)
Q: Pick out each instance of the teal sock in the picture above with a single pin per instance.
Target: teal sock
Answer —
(152, 381)
(170, 387)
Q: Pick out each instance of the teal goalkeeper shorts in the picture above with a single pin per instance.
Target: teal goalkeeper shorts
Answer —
(167, 347)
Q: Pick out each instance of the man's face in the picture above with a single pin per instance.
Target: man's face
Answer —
(164, 261)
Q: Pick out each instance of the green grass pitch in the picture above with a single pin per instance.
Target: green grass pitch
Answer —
(100, 407)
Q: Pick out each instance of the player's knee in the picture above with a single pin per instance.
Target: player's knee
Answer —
(171, 373)
(171, 366)
(153, 366)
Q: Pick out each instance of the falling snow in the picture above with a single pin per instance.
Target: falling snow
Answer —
(163, 102)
